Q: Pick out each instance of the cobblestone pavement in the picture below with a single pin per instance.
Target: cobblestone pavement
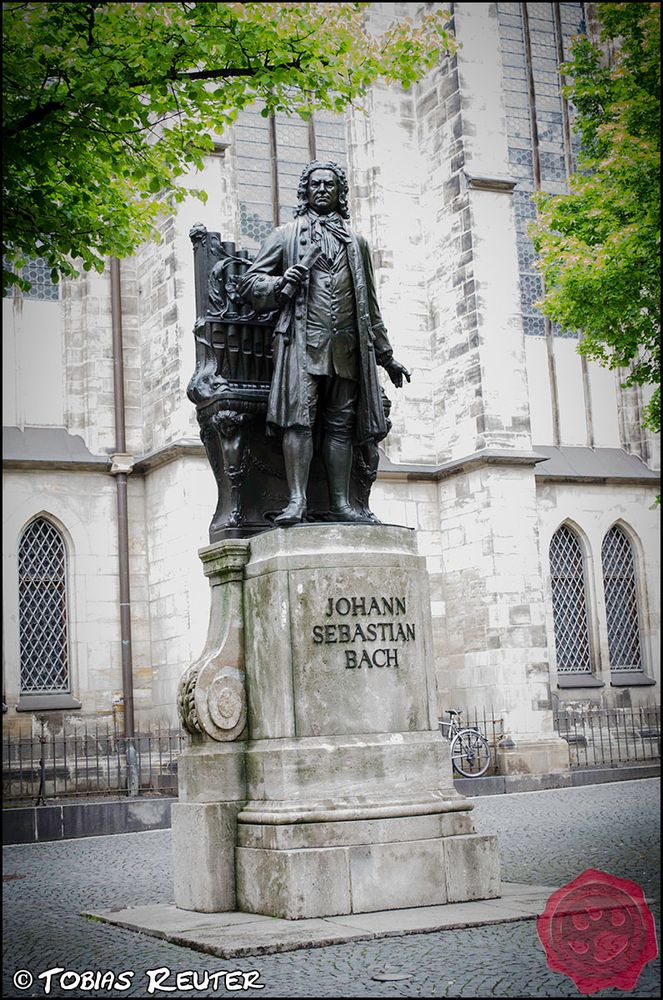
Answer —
(546, 838)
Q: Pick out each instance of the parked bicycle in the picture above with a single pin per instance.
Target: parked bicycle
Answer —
(470, 752)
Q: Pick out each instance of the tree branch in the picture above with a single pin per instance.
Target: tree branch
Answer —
(37, 115)
(216, 74)
(33, 117)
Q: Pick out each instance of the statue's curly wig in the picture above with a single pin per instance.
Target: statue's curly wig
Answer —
(302, 190)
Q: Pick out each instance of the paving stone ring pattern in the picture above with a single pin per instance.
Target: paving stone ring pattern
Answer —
(599, 931)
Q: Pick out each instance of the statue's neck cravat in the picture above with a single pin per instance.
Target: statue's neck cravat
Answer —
(329, 231)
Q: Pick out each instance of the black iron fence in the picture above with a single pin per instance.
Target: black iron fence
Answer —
(604, 736)
(595, 736)
(88, 760)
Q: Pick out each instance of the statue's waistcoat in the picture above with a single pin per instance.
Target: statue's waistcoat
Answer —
(331, 321)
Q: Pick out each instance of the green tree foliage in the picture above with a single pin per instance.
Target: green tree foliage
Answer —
(106, 105)
(600, 244)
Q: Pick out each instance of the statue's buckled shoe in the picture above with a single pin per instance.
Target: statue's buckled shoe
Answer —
(294, 513)
(347, 514)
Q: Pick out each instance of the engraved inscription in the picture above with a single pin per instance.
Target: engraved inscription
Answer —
(365, 606)
(355, 633)
(378, 658)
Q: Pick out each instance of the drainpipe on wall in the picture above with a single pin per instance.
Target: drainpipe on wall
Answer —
(120, 468)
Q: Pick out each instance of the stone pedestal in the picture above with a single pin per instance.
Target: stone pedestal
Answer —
(339, 795)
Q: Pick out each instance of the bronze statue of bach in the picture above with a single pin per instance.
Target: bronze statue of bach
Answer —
(329, 338)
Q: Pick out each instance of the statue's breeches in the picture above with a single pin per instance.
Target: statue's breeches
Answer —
(337, 398)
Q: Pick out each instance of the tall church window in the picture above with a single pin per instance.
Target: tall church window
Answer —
(271, 154)
(535, 39)
(621, 601)
(569, 603)
(42, 609)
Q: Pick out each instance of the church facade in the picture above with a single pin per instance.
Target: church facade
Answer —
(524, 469)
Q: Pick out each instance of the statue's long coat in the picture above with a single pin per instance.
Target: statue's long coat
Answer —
(288, 403)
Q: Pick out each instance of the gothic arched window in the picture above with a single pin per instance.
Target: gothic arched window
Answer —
(621, 601)
(42, 609)
(569, 603)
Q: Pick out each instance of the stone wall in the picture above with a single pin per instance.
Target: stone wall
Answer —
(82, 505)
(486, 536)
(179, 501)
(388, 180)
(88, 361)
(32, 353)
(166, 307)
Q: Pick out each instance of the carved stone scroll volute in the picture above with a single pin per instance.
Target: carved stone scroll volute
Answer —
(211, 697)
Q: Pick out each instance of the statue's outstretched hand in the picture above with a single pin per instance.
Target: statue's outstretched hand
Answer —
(396, 372)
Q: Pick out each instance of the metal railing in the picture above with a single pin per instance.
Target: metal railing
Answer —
(601, 736)
(88, 760)
(93, 760)
(596, 737)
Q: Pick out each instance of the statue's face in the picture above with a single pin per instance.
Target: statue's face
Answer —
(323, 191)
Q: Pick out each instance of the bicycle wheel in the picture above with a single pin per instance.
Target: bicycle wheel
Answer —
(470, 753)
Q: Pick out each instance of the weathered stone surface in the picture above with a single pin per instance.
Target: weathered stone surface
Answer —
(211, 695)
(380, 766)
(270, 693)
(230, 935)
(395, 876)
(293, 884)
(342, 790)
(203, 855)
(324, 881)
(365, 785)
(212, 773)
(472, 868)
(343, 834)
(358, 657)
